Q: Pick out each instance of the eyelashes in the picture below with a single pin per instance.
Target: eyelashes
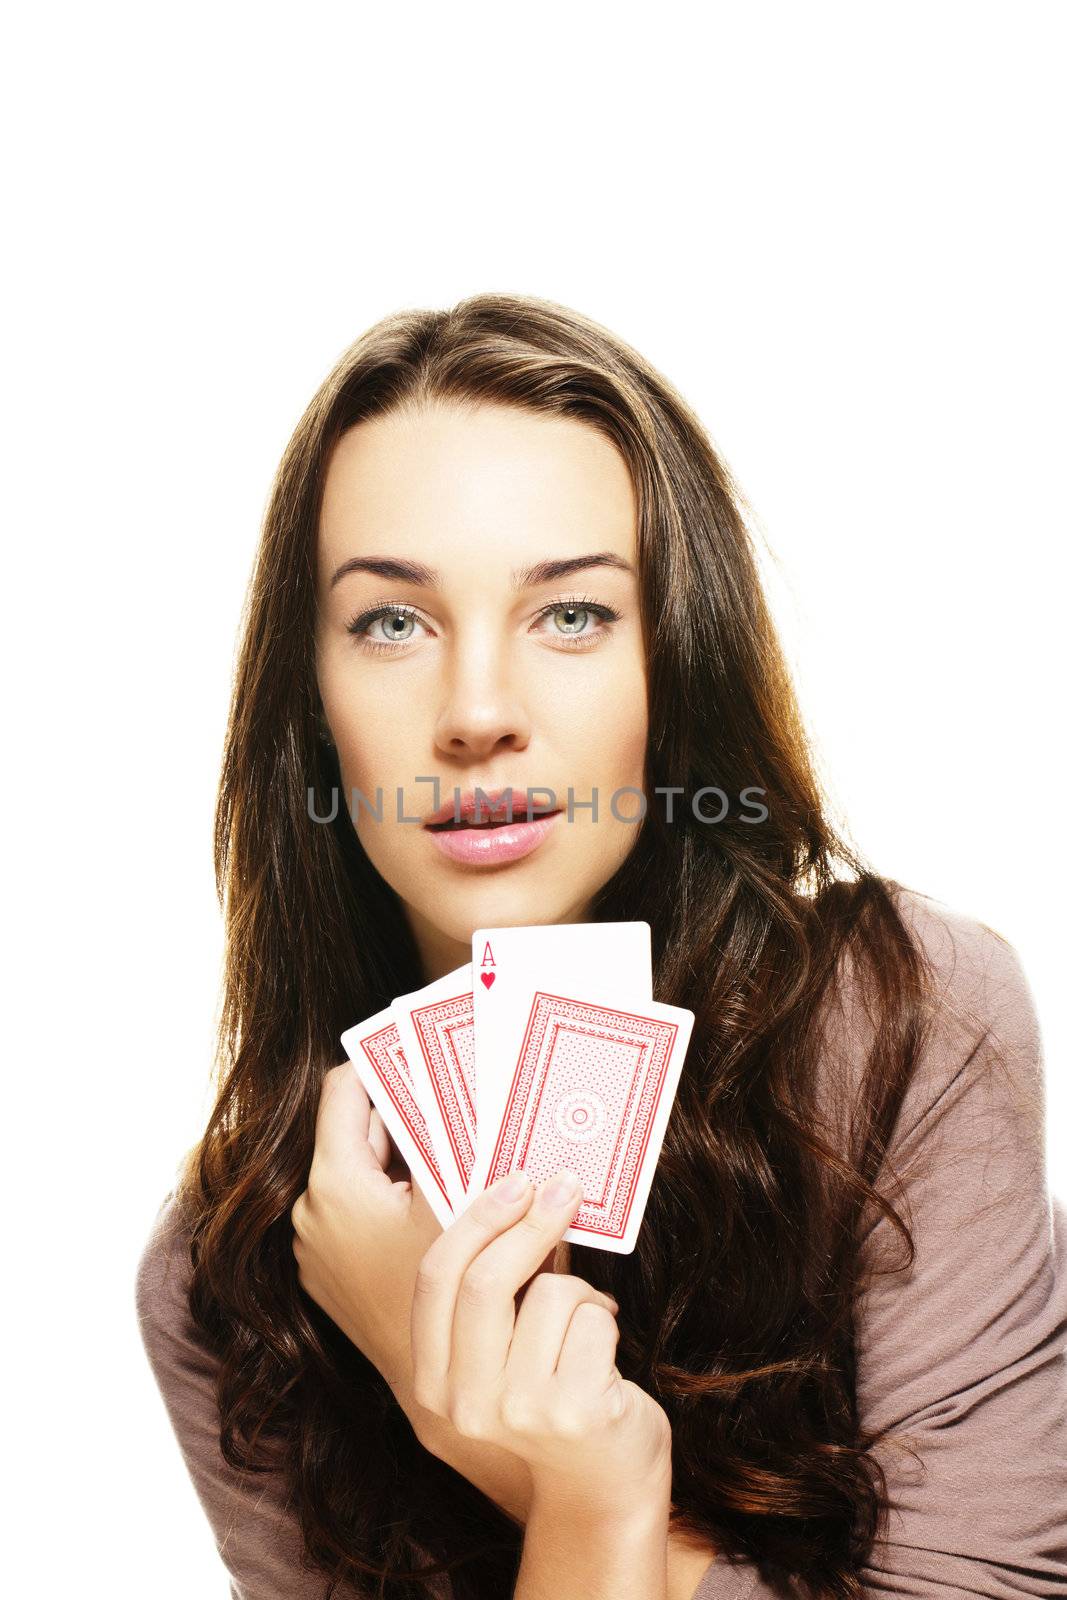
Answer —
(358, 625)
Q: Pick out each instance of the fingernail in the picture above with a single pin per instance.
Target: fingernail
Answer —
(564, 1186)
(514, 1186)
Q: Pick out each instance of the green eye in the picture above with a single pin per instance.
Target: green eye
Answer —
(390, 613)
(399, 620)
(572, 611)
(574, 634)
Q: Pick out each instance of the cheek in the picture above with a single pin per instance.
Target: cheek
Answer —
(624, 737)
(365, 740)
(611, 726)
(364, 726)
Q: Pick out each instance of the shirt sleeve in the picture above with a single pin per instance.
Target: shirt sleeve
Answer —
(256, 1532)
(962, 1357)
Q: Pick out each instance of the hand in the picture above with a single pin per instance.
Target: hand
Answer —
(361, 1227)
(539, 1380)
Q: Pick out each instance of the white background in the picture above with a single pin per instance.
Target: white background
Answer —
(836, 228)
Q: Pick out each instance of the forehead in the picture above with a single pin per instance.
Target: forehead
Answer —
(483, 474)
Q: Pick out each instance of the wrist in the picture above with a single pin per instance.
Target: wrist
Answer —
(608, 1505)
(501, 1476)
(424, 1423)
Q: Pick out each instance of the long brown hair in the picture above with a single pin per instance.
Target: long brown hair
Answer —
(737, 1304)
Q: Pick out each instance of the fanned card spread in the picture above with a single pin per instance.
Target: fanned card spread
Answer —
(545, 1050)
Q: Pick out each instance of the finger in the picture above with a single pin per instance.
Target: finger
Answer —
(437, 1282)
(548, 1310)
(378, 1139)
(421, 1216)
(485, 1302)
(586, 1360)
(342, 1126)
(547, 1265)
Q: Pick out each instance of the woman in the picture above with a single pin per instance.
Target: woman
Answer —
(834, 1361)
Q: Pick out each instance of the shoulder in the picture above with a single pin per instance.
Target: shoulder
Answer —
(161, 1283)
(966, 1159)
(978, 976)
(983, 1027)
(980, 1046)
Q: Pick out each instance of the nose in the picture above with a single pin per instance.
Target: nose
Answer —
(482, 706)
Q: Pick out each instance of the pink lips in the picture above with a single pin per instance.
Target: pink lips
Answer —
(493, 846)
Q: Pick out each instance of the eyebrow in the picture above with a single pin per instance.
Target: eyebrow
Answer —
(399, 570)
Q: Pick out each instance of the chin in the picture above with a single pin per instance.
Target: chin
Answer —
(503, 903)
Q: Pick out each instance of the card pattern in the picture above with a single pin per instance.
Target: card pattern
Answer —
(584, 1095)
(385, 1054)
(445, 1031)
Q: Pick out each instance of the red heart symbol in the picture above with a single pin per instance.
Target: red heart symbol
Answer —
(488, 978)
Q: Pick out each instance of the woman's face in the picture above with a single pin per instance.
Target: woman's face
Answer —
(480, 671)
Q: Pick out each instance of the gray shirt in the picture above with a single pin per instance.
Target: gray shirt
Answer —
(963, 1357)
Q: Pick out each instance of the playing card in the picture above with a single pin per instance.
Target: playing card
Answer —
(509, 963)
(375, 1051)
(436, 1026)
(591, 1088)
